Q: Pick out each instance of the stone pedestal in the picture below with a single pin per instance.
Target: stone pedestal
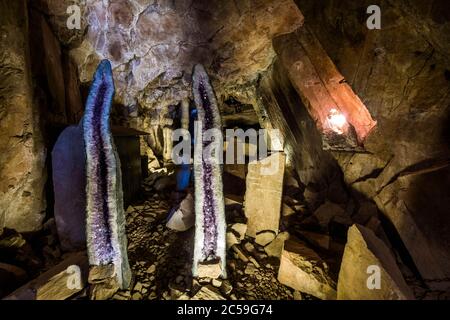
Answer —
(264, 193)
(69, 184)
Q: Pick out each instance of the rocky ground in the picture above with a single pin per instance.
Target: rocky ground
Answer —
(311, 257)
(315, 226)
(25, 256)
(161, 260)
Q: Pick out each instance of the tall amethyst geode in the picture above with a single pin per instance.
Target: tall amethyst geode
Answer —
(105, 218)
(209, 249)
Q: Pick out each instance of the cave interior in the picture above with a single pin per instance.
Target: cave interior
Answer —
(350, 101)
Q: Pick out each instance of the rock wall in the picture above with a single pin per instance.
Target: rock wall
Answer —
(22, 153)
(153, 45)
(284, 110)
(365, 250)
(401, 73)
(54, 74)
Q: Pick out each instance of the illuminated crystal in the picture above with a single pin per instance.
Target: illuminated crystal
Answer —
(105, 220)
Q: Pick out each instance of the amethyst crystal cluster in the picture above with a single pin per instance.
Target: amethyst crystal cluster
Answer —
(105, 218)
(210, 227)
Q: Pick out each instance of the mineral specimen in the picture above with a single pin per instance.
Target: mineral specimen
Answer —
(69, 184)
(210, 227)
(105, 220)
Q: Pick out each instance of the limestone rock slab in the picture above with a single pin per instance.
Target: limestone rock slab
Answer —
(363, 250)
(302, 269)
(263, 196)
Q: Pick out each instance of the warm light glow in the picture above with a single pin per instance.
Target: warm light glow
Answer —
(337, 121)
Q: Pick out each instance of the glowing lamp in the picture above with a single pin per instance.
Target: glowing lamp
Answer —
(337, 121)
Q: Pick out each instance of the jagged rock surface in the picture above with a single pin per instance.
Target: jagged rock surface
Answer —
(401, 75)
(153, 45)
(365, 250)
(22, 151)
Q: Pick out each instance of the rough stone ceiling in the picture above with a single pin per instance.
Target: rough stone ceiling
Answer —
(153, 44)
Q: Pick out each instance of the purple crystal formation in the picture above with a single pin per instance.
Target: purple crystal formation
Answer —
(209, 203)
(210, 223)
(105, 218)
